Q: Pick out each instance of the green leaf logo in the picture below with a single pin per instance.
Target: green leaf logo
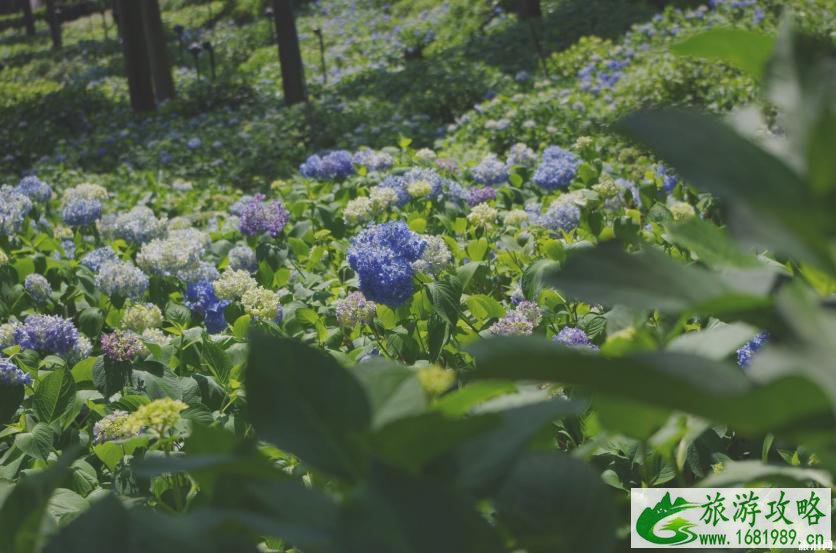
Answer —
(681, 528)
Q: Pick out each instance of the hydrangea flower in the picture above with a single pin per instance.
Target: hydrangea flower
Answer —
(38, 288)
(436, 256)
(121, 345)
(140, 316)
(333, 165)
(47, 333)
(7, 334)
(37, 190)
(396, 183)
(482, 215)
(159, 416)
(200, 271)
(242, 258)
(521, 155)
(557, 168)
(201, 299)
(121, 278)
(138, 226)
(382, 197)
(436, 380)
(669, 178)
(515, 218)
(98, 257)
(111, 427)
(681, 210)
(262, 304)
(423, 175)
(85, 191)
(11, 375)
(748, 350)
(81, 350)
(82, 212)
(382, 256)
(262, 217)
(14, 207)
(520, 321)
(170, 256)
(358, 210)
(373, 160)
(232, 284)
(575, 337)
(490, 171)
(561, 215)
(354, 309)
(480, 194)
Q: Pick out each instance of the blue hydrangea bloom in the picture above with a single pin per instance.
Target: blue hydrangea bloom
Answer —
(574, 337)
(398, 184)
(11, 375)
(669, 178)
(748, 350)
(48, 333)
(557, 168)
(421, 174)
(98, 257)
(14, 207)
(490, 171)
(382, 255)
(36, 189)
(122, 279)
(259, 217)
(69, 248)
(333, 165)
(561, 215)
(242, 258)
(38, 288)
(201, 299)
(82, 212)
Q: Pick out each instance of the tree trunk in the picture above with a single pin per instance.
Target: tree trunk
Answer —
(28, 19)
(528, 9)
(54, 24)
(137, 67)
(157, 50)
(114, 10)
(290, 57)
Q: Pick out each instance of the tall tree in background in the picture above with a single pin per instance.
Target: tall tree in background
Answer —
(527, 9)
(137, 67)
(54, 24)
(290, 56)
(157, 51)
(28, 19)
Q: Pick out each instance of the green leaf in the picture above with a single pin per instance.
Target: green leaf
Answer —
(10, 399)
(410, 443)
(445, 298)
(746, 50)
(65, 505)
(104, 527)
(23, 510)
(709, 244)
(37, 443)
(392, 391)
(583, 519)
(716, 391)
(736, 473)
(303, 401)
(393, 512)
(717, 343)
(769, 203)
(476, 249)
(461, 401)
(486, 459)
(53, 394)
(651, 279)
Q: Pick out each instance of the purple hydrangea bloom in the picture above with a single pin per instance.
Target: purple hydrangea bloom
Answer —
(748, 350)
(122, 345)
(382, 255)
(48, 333)
(201, 298)
(36, 189)
(11, 375)
(574, 337)
(480, 194)
(260, 217)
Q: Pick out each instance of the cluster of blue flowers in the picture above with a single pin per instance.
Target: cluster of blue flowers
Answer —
(120, 278)
(14, 207)
(382, 255)
(557, 168)
(11, 375)
(669, 178)
(373, 160)
(38, 288)
(574, 337)
(98, 257)
(561, 215)
(48, 333)
(398, 184)
(748, 350)
(201, 299)
(138, 225)
(35, 189)
(596, 78)
(262, 217)
(242, 258)
(490, 171)
(333, 165)
(82, 212)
